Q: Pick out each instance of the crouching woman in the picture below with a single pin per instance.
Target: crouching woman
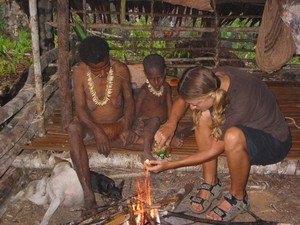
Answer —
(235, 114)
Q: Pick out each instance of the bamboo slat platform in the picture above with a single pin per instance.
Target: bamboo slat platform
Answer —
(287, 94)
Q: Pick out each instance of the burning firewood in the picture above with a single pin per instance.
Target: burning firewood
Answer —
(119, 219)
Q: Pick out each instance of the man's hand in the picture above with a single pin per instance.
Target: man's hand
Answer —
(102, 143)
(164, 135)
(128, 137)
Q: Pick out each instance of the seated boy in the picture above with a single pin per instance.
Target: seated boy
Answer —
(153, 104)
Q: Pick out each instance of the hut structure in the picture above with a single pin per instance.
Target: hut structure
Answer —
(186, 33)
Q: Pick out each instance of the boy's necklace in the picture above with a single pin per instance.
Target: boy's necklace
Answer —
(153, 91)
(108, 90)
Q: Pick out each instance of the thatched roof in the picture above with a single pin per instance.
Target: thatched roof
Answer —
(208, 5)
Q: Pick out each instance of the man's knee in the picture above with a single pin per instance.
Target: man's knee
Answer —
(74, 128)
(156, 120)
(153, 123)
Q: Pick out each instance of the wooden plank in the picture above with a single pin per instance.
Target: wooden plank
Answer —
(7, 181)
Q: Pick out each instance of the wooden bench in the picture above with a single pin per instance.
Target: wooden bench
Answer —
(287, 94)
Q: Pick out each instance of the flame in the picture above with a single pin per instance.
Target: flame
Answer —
(143, 202)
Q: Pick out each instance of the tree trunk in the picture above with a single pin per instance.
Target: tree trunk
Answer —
(37, 65)
(45, 8)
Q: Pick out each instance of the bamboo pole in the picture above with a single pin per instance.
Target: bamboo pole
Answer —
(173, 29)
(37, 66)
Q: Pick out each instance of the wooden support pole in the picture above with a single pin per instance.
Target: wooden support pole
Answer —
(63, 60)
(218, 35)
(37, 66)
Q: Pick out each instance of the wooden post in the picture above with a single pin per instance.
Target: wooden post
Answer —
(63, 60)
(218, 35)
(37, 66)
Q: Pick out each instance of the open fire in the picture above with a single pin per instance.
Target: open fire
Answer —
(139, 209)
(141, 205)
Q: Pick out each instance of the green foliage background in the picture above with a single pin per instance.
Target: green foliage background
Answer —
(14, 54)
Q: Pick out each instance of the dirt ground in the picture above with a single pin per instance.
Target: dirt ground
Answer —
(272, 197)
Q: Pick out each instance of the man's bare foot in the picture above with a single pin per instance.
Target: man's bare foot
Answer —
(89, 209)
(177, 142)
(85, 213)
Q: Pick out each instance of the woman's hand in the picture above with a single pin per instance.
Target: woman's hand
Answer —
(156, 166)
(164, 135)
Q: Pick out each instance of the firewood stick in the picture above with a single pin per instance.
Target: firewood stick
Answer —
(164, 202)
(102, 215)
(132, 216)
(146, 209)
(119, 219)
(172, 203)
(182, 193)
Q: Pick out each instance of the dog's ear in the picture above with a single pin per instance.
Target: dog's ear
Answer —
(121, 185)
(55, 160)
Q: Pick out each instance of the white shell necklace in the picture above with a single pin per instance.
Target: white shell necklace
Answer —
(108, 90)
(153, 91)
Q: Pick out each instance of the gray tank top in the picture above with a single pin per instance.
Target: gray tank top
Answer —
(252, 104)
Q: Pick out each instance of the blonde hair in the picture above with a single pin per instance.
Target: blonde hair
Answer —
(200, 82)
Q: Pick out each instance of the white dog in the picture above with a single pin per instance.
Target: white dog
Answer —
(62, 187)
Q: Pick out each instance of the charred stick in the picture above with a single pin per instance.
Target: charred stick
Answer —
(182, 193)
(100, 216)
(164, 222)
(172, 203)
(209, 221)
(150, 220)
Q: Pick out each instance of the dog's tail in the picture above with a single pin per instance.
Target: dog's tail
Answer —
(35, 188)
(20, 196)
(40, 197)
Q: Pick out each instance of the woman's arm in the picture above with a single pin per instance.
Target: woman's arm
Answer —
(198, 158)
(166, 132)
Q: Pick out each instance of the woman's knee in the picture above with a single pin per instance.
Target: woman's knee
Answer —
(234, 137)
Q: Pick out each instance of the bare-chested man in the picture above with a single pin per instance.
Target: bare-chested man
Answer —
(104, 109)
(153, 105)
